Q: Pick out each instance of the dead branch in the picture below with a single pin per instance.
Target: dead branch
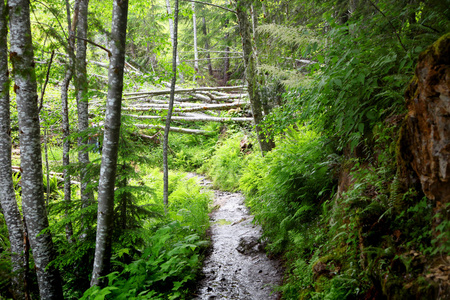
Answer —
(192, 90)
(190, 109)
(175, 129)
(194, 119)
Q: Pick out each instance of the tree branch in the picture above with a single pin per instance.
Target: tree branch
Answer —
(46, 81)
(95, 44)
(390, 23)
(210, 4)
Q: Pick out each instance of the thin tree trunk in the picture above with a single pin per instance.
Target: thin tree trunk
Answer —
(33, 205)
(169, 112)
(265, 143)
(111, 142)
(82, 102)
(65, 114)
(7, 194)
(205, 33)
(226, 64)
(171, 29)
(194, 21)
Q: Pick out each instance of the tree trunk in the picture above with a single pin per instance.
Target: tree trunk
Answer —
(171, 29)
(82, 101)
(205, 33)
(33, 205)
(110, 143)
(194, 21)
(226, 64)
(7, 194)
(169, 113)
(265, 143)
(65, 113)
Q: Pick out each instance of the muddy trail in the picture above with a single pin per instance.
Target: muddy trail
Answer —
(237, 266)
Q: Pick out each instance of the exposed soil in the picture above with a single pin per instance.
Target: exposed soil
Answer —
(237, 266)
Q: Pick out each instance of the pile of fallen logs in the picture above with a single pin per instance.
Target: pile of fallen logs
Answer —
(191, 105)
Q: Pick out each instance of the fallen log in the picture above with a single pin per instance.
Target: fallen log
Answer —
(175, 129)
(194, 119)
(191, 90)
(190, 109)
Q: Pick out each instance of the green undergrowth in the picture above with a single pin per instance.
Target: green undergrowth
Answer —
(226, 165)
(161, 259)
(343, 224)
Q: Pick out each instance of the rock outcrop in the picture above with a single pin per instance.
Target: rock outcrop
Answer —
(425, 138)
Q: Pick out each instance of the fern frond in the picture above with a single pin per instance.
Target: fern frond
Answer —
(290, 36)
(289, 78)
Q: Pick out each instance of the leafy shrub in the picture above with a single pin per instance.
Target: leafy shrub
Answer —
(166, 265)
(226, 165)
(285, 187)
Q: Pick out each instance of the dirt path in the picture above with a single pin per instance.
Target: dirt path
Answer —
(237, 267)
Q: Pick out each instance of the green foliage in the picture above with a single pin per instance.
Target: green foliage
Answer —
(226, 165)
(285, 187)
(169, 261)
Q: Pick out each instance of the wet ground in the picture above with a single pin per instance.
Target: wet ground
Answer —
(237, 267)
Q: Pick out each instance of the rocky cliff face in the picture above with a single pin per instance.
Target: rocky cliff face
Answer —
(426, 135)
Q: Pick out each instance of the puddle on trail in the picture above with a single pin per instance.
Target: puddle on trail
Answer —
(237, 267)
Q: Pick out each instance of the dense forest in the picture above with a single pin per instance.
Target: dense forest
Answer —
(331, 117)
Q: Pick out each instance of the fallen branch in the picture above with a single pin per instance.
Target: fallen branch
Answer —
(190, 109)
(192, 90)
(175, 129)
(194, 119)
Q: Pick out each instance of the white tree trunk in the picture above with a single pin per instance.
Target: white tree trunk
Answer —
(194, 21)
(169, 12)
(7, 194)
(30, 150)
(110, 142)
(175, 129)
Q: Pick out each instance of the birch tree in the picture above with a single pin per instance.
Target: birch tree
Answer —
(172, 38)
(110, 142)
(22, 54)
(194, 21)
(7, 194)
(251, 74)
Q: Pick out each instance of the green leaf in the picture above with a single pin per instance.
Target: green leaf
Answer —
(361, 127)
(320, 59)
(361, 77)
(371, 114)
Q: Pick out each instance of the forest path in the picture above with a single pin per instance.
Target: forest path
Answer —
(237, 267)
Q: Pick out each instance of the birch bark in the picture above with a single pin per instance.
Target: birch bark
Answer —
(251, 74)
(21, 54)
(7, 194)
(110, 142)
(169, 12)
(194, 21)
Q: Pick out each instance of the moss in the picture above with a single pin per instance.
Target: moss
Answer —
(438, 51)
